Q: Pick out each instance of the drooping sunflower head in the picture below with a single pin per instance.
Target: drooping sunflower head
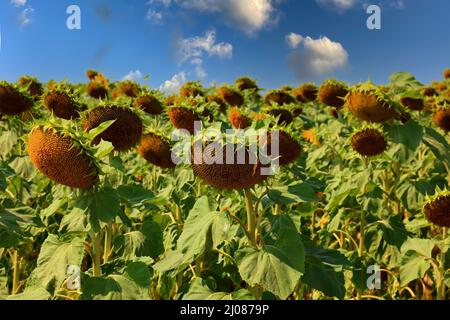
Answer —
(368, 103)
(369, 142)
(246, 83)
(14, 101)
(333, 93)
(191, 89)
(437, 209)
(156, 150)
(230, 96)
(306, 93)
(32, 85)
(124, 133)
(62, 156)
(278, 98)
(447, 74)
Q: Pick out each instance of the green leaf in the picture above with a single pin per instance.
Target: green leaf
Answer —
(91, 135)
(37, 293)
(75, 221)
(323, 270)
(413, 266)
(438, 145)
(55, 257)
(24, 167)
(135, 195)
(172, 260)
(8, 141)
(268, 268)
(296, 193)
(146, 242)
(133, 284)
(423, 247)
(278, 266)
(409, 134)
(199, 290)
(101, 205)
(12, 223)
(204, 229)
(103, 149)
(394, 231)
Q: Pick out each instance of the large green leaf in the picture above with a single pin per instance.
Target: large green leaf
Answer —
(198, 290)
(279, 264)
(204, 229)
(438, 145)
(12, 224)
(409, 134)
(413, 266)
(133, 284)
(324, 270)
(55, 257)
(146, 242)
(24, 167)
(37, 293)
(301, 192)
(8, 141)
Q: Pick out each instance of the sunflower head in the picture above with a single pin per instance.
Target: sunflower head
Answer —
(437, 209)
(368, 103)
(369, 142)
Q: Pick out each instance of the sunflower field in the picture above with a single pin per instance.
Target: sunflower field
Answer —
(93, 205)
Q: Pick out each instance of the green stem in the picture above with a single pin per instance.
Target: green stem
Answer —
(251, 218)
(108, 242)
(277, 210)
(362, 234)
(441, 286)
(313, 223)
(96, 255)
(16, 272)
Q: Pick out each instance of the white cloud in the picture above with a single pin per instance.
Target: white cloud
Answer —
(293, 40)
(193, 49)
(135, 75)
(24, 17)
(250, 16)
(18, 3)
(318, 57)
(339, 5)
(173, 85)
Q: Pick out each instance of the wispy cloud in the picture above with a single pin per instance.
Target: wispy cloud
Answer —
(18, 3)
(194, 50)
(24, 17)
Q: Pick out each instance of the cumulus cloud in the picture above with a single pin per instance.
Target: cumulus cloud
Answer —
(194, 50)
(173, 85)
(317, 57)
(250, 16)
(135, 75)
(293, 40)
(18, 3)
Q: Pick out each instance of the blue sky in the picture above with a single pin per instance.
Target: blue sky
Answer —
(219, 40)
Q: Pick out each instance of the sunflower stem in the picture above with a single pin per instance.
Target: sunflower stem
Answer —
(96, 255)
(108, 242)
(441, 286)
(16, 272)
(251, 218)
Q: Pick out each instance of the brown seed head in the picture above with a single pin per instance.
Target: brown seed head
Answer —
(156, 150)
(369, 142)
(183, 118)
(230, 96)
(124, 133)
(238, 120)
(12, 102)
(59, 159)
(367, 107)
(149, 104)
(438, 211)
